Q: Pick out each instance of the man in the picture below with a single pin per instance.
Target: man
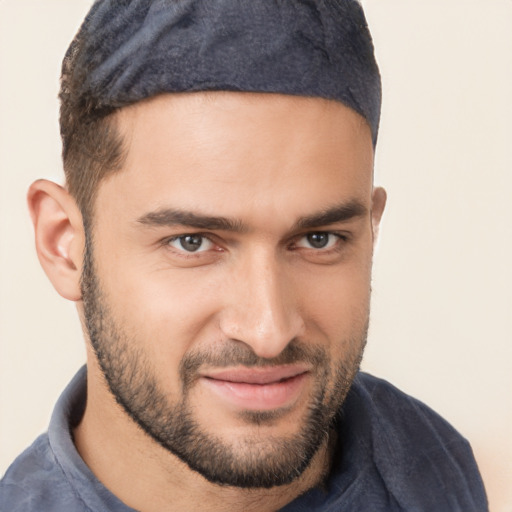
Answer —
(216, 234)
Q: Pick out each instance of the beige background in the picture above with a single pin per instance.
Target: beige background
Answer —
(442, 309)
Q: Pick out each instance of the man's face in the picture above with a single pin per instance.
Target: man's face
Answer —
(226, 286)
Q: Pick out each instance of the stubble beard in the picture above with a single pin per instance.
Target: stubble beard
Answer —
(252, 462)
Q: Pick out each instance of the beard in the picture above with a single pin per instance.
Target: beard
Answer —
(256, 461)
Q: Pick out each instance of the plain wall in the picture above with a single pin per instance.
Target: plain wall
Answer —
(442, 306)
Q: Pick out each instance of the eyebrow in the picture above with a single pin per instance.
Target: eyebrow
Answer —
(339, 213)
(175, 217)
(172, 217)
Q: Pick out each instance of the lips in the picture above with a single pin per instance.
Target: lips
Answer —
(261, 376)
(258, 388)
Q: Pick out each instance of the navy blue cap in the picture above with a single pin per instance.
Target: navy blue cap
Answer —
(133, 49)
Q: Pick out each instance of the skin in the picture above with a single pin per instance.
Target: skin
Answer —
(265, 162)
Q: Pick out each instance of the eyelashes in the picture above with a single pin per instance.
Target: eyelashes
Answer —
(199, 244)
(192, 243)
(321, 240)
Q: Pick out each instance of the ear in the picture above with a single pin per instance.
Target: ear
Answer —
(379, 198)
(59, 236)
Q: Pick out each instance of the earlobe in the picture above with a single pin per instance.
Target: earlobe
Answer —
(59, 236)
(379, 198)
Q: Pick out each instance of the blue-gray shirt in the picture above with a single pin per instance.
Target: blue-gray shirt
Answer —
(393, 454)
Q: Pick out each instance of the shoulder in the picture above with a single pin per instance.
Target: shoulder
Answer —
(396, 416)
(417, 453)
(393, 408)
(36, 482)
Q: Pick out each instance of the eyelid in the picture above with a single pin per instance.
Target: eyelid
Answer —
(208, 238)
(340, 237)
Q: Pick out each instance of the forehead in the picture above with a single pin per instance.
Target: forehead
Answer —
(239, 152)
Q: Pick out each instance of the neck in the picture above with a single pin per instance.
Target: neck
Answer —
(148, 478)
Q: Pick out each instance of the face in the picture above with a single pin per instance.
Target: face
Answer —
(226, 282)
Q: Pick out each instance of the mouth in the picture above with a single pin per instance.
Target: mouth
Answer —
(258, 389)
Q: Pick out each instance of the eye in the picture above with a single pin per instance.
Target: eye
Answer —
(319, 240)
(191, 243)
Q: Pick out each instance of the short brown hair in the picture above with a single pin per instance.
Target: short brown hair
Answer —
(91, 145)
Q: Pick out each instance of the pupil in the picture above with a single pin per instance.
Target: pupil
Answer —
(191, 243)
(318, 240)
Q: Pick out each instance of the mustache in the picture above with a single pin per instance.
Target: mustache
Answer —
(236, 353)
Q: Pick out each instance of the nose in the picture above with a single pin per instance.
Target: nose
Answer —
(262, 311)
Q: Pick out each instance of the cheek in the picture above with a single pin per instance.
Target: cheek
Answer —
(167, 311)
(164, 311)
(337, 301)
